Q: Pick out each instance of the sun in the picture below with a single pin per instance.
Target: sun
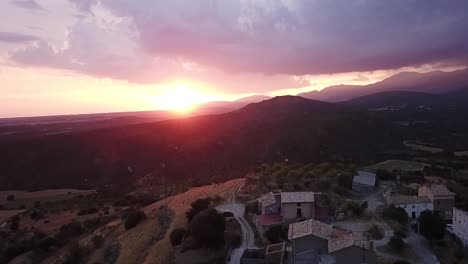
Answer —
(180, 98)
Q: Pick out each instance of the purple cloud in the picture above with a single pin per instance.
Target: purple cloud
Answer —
(27, 4)
(13, 37)
(255, 38)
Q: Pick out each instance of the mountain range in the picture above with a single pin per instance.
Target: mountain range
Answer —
(435, 82)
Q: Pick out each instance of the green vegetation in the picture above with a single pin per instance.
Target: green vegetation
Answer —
(276, 234)
(376, 232)
(207, 229)
(396, 244)
(133, 219)
(397, 214)
(431, 225)
(177, 236)
(198, 206)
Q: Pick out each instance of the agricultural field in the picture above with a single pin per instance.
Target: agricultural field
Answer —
(15, 199)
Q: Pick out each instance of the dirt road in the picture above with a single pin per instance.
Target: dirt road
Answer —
(248, 241)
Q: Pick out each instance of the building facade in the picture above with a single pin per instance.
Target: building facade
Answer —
(413, 205)
(460, 225)
(364, 181)
(443, 200)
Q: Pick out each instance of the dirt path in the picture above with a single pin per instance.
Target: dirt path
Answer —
(248, 241)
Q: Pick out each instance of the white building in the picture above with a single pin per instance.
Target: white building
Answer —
(413, 205)
(364, 181)
(460, 225)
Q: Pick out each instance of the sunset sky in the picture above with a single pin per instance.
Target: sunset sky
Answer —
(83, 56)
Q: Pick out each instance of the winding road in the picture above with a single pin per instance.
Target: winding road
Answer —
(248, 241)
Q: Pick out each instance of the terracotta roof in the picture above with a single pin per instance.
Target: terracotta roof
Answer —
(267, 199)
(404, 199)
(353, 239)
(269, 219)
(439, 189)
(310, 227)
(297, 197)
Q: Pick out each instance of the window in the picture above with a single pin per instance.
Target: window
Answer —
(299, 205)
(414, 206)
(299, 212)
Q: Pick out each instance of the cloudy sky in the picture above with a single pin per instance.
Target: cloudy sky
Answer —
(80, 56)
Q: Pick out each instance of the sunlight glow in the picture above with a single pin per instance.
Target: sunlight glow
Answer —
(180, 98)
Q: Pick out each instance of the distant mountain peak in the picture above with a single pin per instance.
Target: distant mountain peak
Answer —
(434, 82)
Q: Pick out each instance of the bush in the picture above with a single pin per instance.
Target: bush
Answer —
(345, 180)
(376, 232)
(275, 234)
(228, 214)
(98, 240)
(385, 175)
(207, 229)
(354, 208)
(133, 219)
(85, 211)
(177, 236)
(397, 214)
(111, 254)
(69, 231)
(396, 243)
(198, 206)
(431, 225)
(76, 254)
(323, 185)
(401, 231)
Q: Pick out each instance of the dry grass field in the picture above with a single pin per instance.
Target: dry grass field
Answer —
(24, 199)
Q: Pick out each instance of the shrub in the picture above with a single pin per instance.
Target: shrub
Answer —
(69, 231)
(376, 232)
(76, 254)
(98, 240)
(396, 243)
(345, 180)
(323, 185)
(92, 222)
(354, 208)
(177, 236)
(385, 175)
(228, 214)
(275, 234)
(90, 210)
(431, 225)
(401, 231)
(111, 254)
(397, 214)
(207, 229)
(198, 206)
(133, 219)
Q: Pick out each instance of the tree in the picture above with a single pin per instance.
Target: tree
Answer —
(177, 235)
(431, 225)
(198, 206)
(345, 180)
(397, 214)
(396, 243)
(133, 219)
(207, 229)
(385, 175)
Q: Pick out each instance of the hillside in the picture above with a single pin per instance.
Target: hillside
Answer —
(195, 150)
(395, 98)
(436, 82)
